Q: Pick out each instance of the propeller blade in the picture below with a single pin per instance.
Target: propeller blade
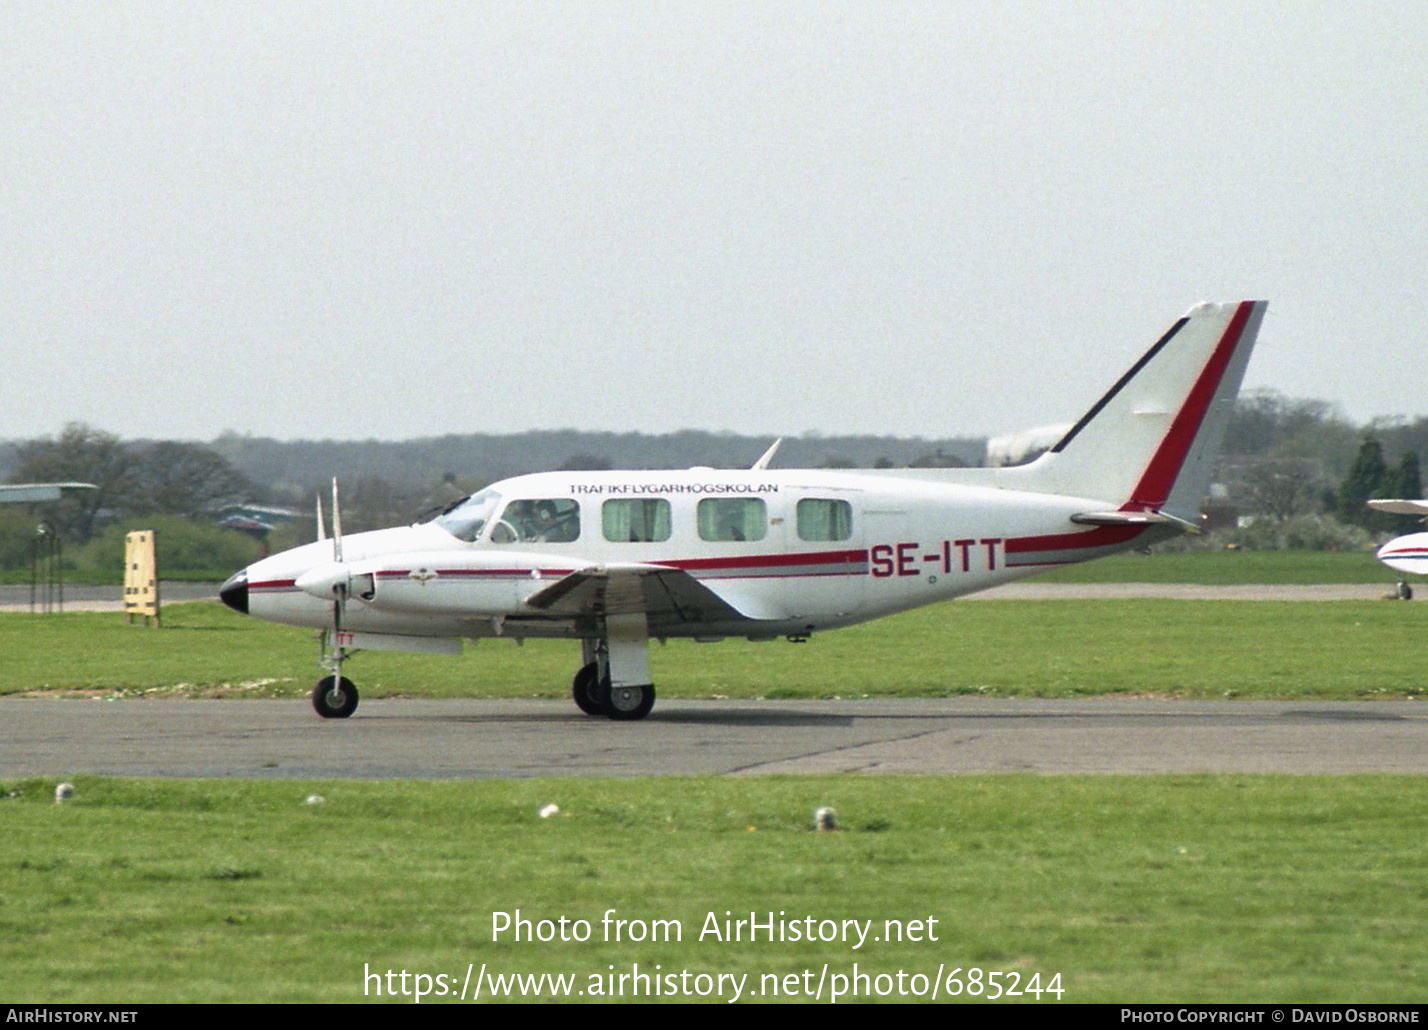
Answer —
(336, 524)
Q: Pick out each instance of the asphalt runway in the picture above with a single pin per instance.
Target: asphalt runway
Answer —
(487, 738)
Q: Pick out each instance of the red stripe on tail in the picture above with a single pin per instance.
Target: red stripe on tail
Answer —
(1159, 476)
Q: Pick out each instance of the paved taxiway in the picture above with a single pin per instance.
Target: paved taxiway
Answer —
(485, 738)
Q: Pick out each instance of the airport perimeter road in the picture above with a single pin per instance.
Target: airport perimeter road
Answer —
(476, 738)
(80, 597)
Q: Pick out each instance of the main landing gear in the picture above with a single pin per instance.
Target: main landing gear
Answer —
(614, 679)
(594, 695)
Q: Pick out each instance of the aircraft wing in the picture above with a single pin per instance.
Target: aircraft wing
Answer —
(20, 493)
(667, 596)
(1398, 507)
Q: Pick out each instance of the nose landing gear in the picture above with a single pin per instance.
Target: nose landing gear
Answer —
(334, 697)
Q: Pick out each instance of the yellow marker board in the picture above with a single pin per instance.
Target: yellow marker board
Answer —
(141, 576)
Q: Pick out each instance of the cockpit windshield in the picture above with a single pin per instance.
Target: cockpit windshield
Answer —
(466, 519)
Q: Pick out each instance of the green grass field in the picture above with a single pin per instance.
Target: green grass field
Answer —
(1208, 649)
(1133, 889)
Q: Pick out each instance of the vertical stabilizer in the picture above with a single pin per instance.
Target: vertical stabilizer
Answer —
(1149, 443)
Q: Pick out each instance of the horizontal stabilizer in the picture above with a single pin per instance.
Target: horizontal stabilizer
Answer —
(1133, 518)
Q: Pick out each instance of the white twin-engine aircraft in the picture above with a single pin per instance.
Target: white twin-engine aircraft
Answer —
(612, 559)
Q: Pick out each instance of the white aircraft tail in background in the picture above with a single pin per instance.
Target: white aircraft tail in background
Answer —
(614, 558)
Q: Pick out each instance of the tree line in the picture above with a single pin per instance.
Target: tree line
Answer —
(1285, 463)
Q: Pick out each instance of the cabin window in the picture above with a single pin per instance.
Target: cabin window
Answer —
(732, 518)
(820, 519)
(543, 521)
(641, 520)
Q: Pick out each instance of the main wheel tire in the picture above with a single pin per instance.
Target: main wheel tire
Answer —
(334, 697)
(626, 704)
(584, 690)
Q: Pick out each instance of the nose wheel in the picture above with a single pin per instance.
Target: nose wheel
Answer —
(334, 697)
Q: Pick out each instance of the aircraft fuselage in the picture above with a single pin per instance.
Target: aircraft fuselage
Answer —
(790, 552)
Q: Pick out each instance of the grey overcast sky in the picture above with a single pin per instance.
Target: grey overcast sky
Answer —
(368, 219)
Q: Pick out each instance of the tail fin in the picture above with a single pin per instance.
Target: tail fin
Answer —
(1147, 446)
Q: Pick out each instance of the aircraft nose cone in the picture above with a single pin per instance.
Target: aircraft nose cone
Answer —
(234, 593)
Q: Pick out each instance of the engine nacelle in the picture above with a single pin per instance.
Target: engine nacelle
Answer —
(454, 582)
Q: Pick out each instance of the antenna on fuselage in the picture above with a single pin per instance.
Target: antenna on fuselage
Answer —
(767, 456)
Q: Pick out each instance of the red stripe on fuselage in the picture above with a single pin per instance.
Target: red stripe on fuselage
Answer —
(403, 573)
(771, 564)
(273, 584)
(1101, 536)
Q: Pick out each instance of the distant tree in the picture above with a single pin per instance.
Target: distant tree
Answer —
(163, 478)
(183, 545)
(79, 454)
(1366, 479)
(1263, 420)
(1400, 436)
(184, 479)
(17, 537)
(938, 460)
(370, 502)
(1280, 488)
(1405, 480)
(585, 463)
(1266, 424)
(1370, 476)
(1402, 481)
